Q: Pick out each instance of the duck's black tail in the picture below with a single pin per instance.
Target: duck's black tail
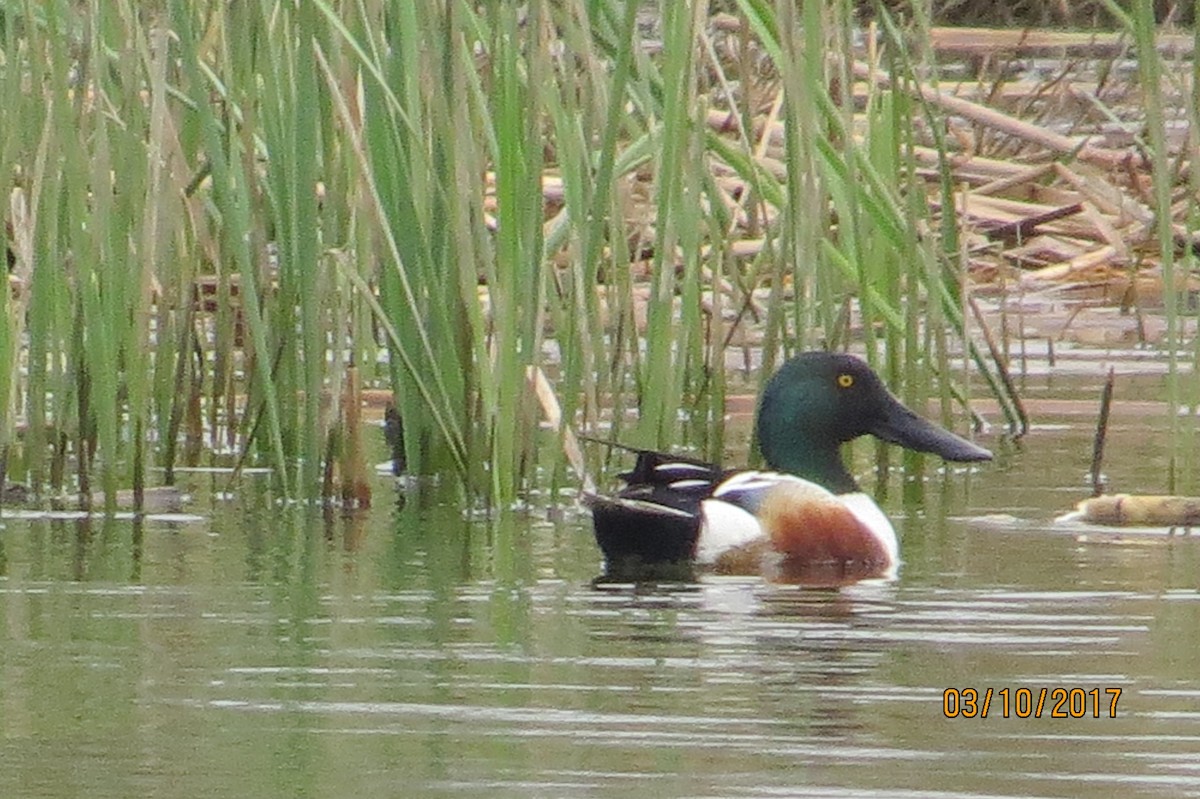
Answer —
(654, 521)
(637, 536)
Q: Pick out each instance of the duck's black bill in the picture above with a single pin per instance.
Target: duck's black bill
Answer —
(896, 424)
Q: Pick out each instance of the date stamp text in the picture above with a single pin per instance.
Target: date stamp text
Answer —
(1060, 702)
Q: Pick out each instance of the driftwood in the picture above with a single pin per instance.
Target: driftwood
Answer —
(1005, 123)
(990, 41)
(1140, 510)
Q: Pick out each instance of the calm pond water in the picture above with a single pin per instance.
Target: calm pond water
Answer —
(262, 651)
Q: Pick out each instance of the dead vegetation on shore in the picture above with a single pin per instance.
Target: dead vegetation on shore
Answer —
(1050, 171)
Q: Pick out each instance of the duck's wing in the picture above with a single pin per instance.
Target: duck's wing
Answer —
(747, 489)
(658, 478)
(655, 518)
(662, 468)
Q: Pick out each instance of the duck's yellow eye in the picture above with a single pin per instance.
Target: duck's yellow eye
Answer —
(845, 380)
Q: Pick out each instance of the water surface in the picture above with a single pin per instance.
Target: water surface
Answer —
(276, 652)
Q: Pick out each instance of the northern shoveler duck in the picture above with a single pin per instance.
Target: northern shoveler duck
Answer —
(803, 520)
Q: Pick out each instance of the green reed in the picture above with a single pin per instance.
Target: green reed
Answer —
(231, 204)
(1155, 77)
(1188, 261)
(869, 247)
(1142, 27)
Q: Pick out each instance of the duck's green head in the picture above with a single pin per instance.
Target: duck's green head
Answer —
(818, 400)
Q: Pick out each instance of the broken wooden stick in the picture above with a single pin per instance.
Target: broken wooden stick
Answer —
(1101, 433)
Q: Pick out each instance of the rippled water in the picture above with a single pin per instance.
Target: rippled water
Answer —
(273, 652)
